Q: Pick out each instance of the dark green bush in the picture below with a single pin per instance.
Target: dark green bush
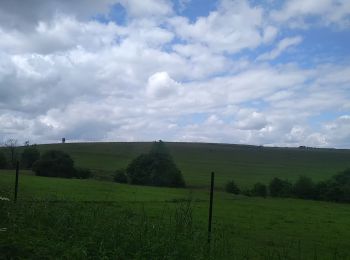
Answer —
(280, 188)
(55, 164)
(29, 156)
(231, 187)
(335, 189)
(321, 189)
(304, 188)
(156, 168)
(120, 176)
(259, 190)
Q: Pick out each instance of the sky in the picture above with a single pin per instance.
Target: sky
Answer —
(273, 73)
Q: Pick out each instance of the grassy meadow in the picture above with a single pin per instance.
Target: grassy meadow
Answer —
(79, 219)
(245, 164)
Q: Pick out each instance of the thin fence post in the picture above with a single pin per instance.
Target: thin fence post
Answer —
(210, 206)
(16, 183)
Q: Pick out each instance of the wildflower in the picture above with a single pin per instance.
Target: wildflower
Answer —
(4, 198)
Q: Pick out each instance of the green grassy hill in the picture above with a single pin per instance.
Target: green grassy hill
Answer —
(78, 219)
(245, 164)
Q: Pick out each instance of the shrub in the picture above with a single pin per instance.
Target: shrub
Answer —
(29, 155)
(304, 188)
(3, 161)
(259, 189)
(120, 177)
(280, 188)
(337, 188)
(156, 168)
(55, 164)
(231, 187)
(321, 189)
(82, 173)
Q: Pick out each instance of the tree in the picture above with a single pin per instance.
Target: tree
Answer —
(29, 155)
(3, 161)
(55, 164)
(342, 177)
(231, 187)
(304, 188)
(259, 189)
(11, 145)
(119, 176)
(320, 190)
(337, 188)
(156, 168)
(280, 188)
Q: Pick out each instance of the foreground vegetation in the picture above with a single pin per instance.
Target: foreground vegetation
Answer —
(89, 218)
(96, 218)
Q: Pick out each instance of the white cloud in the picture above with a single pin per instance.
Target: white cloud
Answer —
(25, 15)
(337, 132)
(233, 27)
(270, 33)
(160, 76)
(60, 34)
(147, 8)
(160, 85)
(329, 12)
(251, 121)
(281, 46)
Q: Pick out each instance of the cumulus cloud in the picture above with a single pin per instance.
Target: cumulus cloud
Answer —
(60, 34)
(160, 85)
(233, 27)
(251, 121)
(160, 75)
(337, 132)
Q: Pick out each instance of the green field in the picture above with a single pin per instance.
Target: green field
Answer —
(245, 164)
(78, 219)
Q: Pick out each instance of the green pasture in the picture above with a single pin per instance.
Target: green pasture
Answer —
(242, 163)
(246, 226)
(97, 218)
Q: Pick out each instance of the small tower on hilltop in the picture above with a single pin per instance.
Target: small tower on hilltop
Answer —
(63, 140)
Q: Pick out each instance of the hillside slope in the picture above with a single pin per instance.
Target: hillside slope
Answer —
(245, 164)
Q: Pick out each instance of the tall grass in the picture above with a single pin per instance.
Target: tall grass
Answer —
(108, 230)
(43, 229)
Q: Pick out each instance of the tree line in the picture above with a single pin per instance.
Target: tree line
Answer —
(10, 156)
(156, 168)
(51, 163)
(336, 188)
